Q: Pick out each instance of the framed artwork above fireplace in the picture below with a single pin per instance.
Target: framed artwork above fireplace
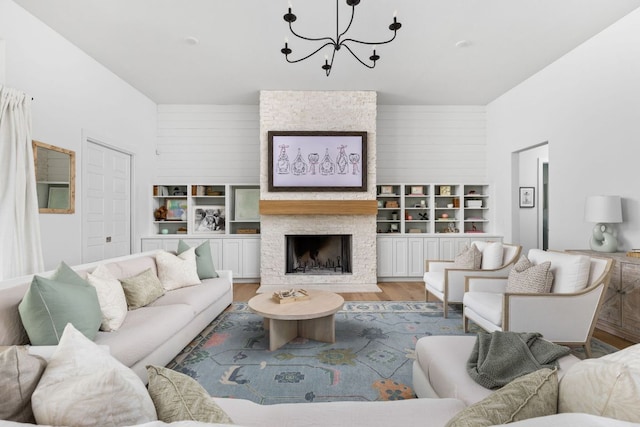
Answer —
(317, 161)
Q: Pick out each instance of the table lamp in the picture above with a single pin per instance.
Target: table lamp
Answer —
(603, 210)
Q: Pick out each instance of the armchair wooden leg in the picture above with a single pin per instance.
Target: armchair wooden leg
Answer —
(445, 309)
(465, 323)
(587, 348)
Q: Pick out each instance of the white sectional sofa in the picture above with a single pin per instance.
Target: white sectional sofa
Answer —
(153, 334)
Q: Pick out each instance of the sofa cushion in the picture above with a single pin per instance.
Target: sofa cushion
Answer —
(435, 279)
(113, 303)
(529, 396)
(570, 271)
(177, 271)
(486, 304)
(83, 385)
(608, 386)
(142, 289)
(492, 256)
(49, 304)
(11, 328)
(144, 330)
(525, 277)
(469, 257)
(19, 375)
(199, 297)
(178, 397)
(204, 261)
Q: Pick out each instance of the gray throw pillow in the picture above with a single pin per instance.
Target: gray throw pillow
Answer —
(142, 289)
(470, 258)
(530, 396)
(49, 304)
(525, 277)
(204, 261)
(19, 376)
(178, 397)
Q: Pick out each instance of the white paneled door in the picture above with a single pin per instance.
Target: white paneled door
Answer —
(106, 203)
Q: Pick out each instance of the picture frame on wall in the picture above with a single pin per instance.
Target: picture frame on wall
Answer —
(527, 197)
(317, 161)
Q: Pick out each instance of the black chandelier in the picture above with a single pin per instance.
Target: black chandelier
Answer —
(339, 41)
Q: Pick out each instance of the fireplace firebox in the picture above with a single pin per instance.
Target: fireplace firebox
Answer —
(320, 254)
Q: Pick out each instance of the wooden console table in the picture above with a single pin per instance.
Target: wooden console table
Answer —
(620, 312)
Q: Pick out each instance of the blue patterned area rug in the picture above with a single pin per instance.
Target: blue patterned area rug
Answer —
(370, 360)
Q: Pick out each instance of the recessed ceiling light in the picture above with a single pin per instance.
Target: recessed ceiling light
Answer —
(191, 40)
(463, 43)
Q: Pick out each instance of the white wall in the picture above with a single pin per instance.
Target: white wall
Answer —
(72, 93)
(587, 106)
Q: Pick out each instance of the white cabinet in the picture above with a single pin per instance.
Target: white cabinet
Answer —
(415, 256)
(392, 256)
(242, 256)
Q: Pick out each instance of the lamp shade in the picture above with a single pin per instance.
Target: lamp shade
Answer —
(605, 209)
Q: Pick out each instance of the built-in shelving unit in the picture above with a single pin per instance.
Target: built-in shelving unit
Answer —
(204, 209)
(433, 208)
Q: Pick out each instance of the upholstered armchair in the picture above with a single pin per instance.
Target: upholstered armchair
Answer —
(566, 314)
(445, 279)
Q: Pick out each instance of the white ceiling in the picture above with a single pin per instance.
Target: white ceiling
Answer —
(238, 54)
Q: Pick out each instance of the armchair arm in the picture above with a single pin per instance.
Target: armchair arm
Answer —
(436, 266)
(565, 318)
(496, 285)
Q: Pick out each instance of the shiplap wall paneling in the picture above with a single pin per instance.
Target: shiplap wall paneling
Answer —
(431, 143)
(208, 143)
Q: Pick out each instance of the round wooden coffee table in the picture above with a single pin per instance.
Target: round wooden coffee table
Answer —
(312, 318)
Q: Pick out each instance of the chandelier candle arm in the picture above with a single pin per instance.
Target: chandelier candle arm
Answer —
(339, 41)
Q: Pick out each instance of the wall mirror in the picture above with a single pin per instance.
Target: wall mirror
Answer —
(55, 178)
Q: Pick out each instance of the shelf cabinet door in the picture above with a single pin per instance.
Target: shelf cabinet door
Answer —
(400, 253)
(416, 256)
(242, 256)
(385, 256)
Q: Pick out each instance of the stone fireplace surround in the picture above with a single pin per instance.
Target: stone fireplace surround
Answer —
(323, 111)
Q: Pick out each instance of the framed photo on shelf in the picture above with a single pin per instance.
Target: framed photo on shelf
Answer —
(247, 204)
(176, 209)
(445, 190)
(417, 190)
(386, 189)
(208, 219)
(527, 197)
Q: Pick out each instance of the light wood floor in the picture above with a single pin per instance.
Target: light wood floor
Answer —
(401, 291)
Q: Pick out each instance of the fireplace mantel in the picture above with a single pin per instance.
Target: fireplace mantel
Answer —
(318, 207)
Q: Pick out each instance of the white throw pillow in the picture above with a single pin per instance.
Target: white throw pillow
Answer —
(85, 386)
(492, 255)
(177, 271)
(570, 271)
(111, 297)
(607, 386)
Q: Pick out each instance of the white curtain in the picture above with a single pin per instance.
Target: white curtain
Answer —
(20, 245)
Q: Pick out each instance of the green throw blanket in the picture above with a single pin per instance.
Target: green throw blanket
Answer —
(500, 357)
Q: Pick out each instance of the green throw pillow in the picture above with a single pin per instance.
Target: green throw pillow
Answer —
(49, 304)
(178, 397)
(204, 262)
(142, 289)
(529, 396)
